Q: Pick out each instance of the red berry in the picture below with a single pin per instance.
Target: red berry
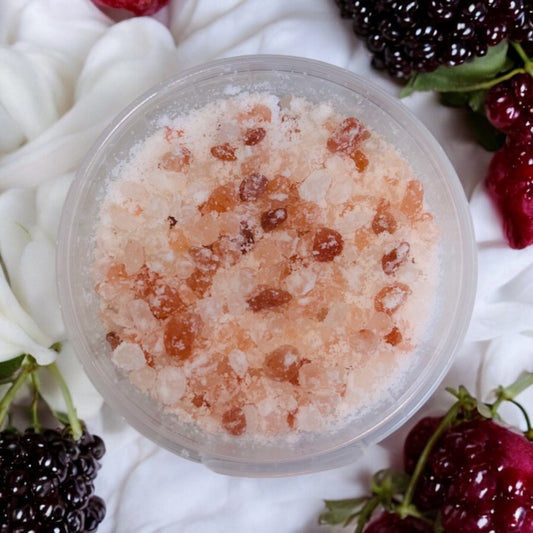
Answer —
(137, 7)
(477, 473)
(510, 185)
(392, 523)
(416, 440)
(501, 107)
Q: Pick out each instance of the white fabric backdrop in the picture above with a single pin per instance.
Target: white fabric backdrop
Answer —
(65, 70)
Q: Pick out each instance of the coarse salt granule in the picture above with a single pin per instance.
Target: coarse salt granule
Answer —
(265, 266)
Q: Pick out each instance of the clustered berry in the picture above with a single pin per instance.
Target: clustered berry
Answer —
(408, 36)
(47, 482)
(509, 108)
(46, 475)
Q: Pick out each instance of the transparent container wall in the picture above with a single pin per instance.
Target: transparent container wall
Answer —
(351, 96)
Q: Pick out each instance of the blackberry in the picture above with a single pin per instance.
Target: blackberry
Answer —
(409, 36)
(47, 481)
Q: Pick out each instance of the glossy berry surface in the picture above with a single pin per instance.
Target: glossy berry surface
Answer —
(479, 474)
(392, 523)
(509, 107)
(47, 482)
(137, 7)
(407, 36)
(509, 183)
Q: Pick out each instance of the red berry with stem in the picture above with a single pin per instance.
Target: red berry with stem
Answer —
(476, 472)
(464, 473)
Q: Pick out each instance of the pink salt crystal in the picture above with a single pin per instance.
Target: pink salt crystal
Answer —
(207, 230)
(301, 282)
(128, 356)
(133, 257)
(308, 418)
(239, 362)
(170, 385)
(234, 421)
(143, 378)
(364, 341)
(315, 186)
(390, 298)
(395, 258)
(254, 324)
(283, 364)
(142, 317)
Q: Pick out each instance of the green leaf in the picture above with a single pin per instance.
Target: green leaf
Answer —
(8, 368)
(484, 132)
(465, 77)
(340, 511)
(453, 99)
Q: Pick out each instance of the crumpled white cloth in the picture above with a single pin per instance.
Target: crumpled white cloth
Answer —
(65, 70)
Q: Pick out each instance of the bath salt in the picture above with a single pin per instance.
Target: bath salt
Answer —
(265, 266)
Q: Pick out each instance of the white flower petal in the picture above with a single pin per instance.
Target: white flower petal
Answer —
(14, 341)
(505, 358)
(49, 204)
(12, 312)
(13, 239)
(18, 205)
(38, 291)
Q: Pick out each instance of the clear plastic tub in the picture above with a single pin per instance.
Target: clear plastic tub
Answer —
(350, 95)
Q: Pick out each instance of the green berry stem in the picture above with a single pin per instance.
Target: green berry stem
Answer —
(529, 431)
(405, 508)
(366, 514)
(35, 402)
(490, 83)
(528, 64)
(73, 419)
(26, 370)
(509, 393)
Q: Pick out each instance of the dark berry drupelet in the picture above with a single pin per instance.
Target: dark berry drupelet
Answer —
(47, 482)
(408, 36)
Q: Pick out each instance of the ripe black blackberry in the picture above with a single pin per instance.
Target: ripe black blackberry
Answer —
(47, 481)
(408, 36)
(47, 475)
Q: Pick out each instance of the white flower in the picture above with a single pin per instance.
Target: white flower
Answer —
(30, 315)
(30, 320)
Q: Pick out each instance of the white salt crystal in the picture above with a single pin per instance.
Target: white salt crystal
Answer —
(238, 361)
(170, 385)
(315, 186)
(142, 316)
(301, 282)
(128, 356)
